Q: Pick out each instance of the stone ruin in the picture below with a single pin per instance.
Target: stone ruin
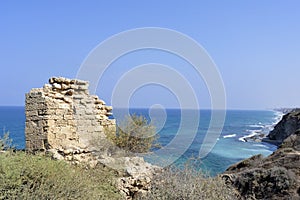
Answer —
(63, 118)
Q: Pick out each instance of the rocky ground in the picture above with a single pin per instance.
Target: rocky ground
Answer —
(276, 176)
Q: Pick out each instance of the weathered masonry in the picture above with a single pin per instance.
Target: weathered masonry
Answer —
(63, 119)
(63, 116)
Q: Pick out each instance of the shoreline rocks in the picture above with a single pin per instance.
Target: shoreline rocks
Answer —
(276, 176)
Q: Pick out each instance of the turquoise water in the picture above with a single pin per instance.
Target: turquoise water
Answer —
(230, 146)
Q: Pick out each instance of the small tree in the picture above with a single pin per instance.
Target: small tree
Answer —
(135, 134)
(5, 142)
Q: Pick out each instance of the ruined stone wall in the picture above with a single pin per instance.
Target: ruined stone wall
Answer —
(63, 116)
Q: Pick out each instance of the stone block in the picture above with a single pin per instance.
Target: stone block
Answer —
(68, 117)
(83, 87)
(68, 92)
(98, 128)
(61, 123)
(60, 135)
(30, 106)
(62, 111)
(32, 113)
(78, 96)
(31, 124)
(64, 86)
(83, 123)
(89, 111)
(108, 108)
(109, 114)
(86, 101)
(87, 117)
(81, 129)
(79, 112)
(81, 92)
(64, 106)
(99, 101)
(81, 82)
(68, 100)
(56, 86)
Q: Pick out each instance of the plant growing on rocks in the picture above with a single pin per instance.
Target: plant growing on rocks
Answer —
(134, 134)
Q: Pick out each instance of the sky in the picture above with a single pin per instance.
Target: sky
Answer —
(254, 44)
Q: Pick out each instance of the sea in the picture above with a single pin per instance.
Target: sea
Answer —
(230, 147)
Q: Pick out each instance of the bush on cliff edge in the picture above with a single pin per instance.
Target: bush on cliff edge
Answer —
(134, 134)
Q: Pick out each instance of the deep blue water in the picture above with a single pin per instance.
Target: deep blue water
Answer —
(12, 120)
(229, 148)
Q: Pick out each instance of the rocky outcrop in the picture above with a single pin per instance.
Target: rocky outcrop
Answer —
(293, 141)
(63, 119)
(288, 125)
(136, 175)
(276, 176)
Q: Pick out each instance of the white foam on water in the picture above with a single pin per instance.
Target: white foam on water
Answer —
(229, 136)
(258, 145)
(278, 117)
(256, 126)
(252, 133)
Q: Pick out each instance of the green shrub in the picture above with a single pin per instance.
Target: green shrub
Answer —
(24, 176)
(135, 134)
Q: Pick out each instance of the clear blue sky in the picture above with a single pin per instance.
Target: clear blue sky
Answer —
(255, 44)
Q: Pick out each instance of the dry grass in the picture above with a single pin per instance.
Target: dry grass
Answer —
(188, 184)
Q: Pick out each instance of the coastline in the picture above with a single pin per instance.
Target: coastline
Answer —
(260, 135)
(264, 166)
(276, 176)
(228, 137)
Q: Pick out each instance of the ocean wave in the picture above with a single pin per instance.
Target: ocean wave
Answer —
(262, 128)
(278, 116)
(259, 145)
(254, 130)
(229, 136)
(252, 133)
(256, 126)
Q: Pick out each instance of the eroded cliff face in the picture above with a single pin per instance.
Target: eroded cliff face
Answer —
(276, 176)
(288, 125)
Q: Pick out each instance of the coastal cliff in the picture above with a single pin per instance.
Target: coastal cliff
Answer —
(276, 176)
(288, 125)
